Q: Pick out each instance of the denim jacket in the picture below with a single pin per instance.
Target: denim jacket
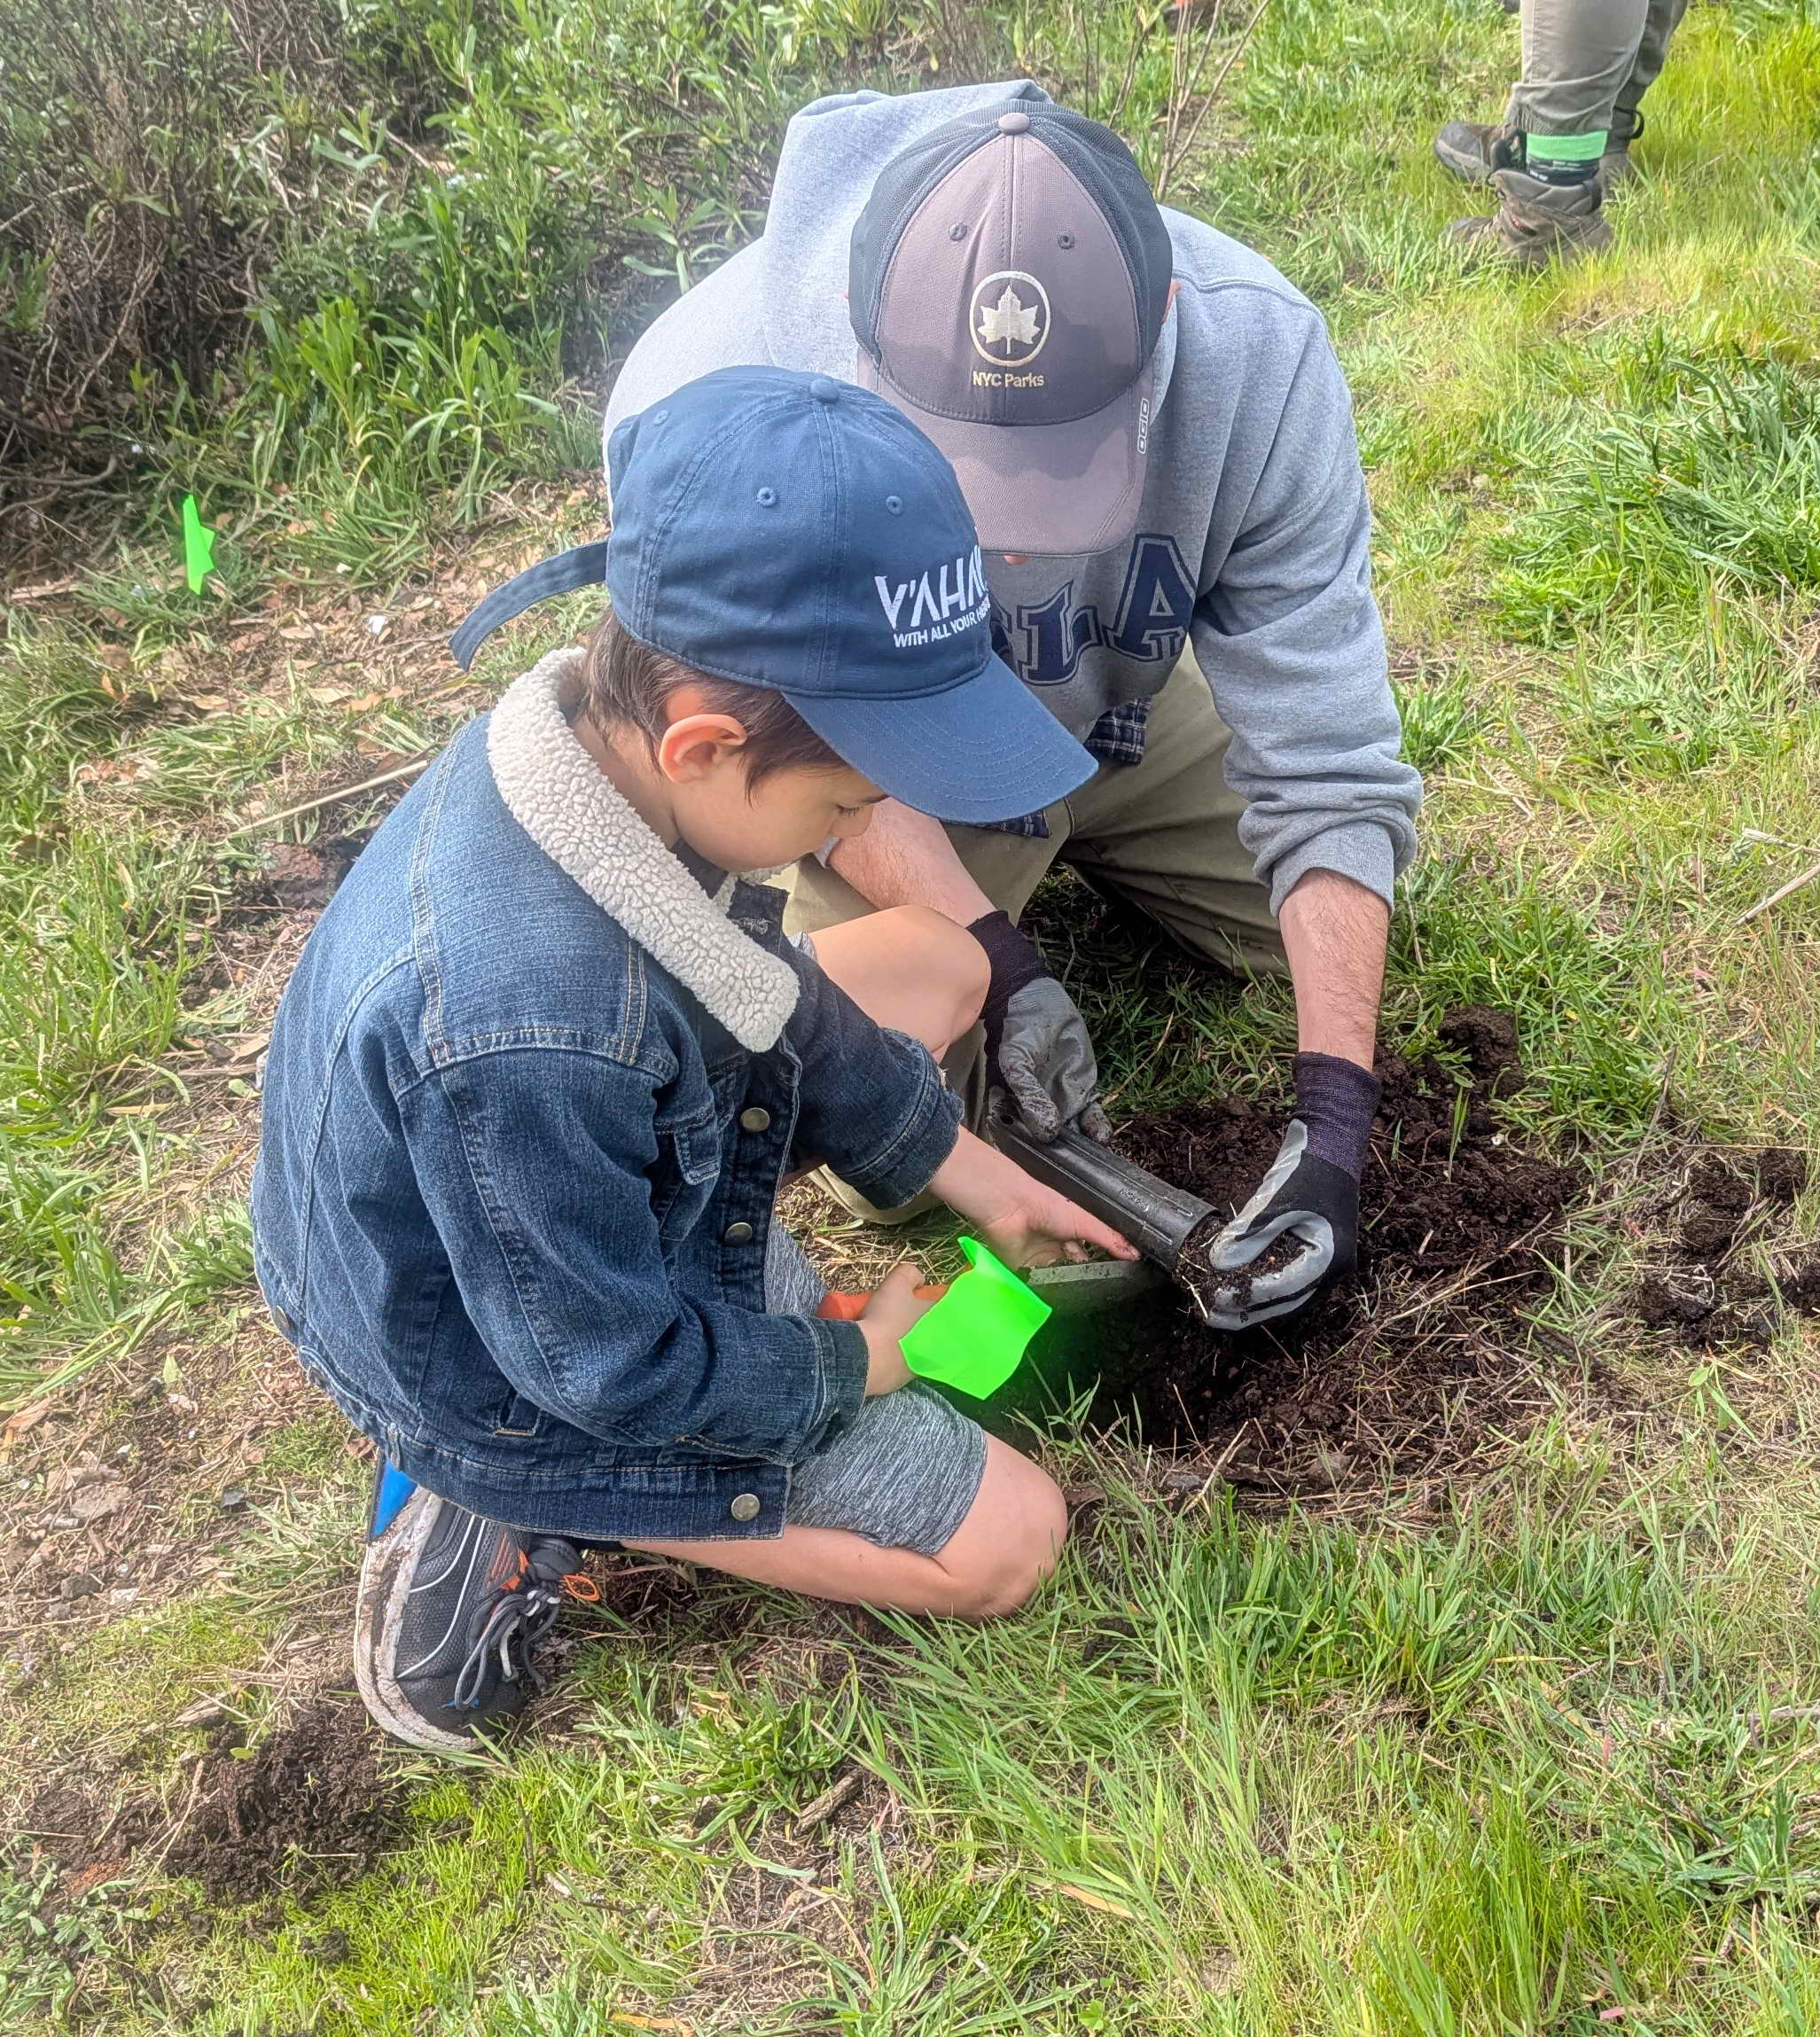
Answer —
(530, 1095)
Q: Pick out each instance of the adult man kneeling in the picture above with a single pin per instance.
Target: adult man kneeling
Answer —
(1157, 444)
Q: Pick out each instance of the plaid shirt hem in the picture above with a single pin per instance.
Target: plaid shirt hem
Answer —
(1117, 737)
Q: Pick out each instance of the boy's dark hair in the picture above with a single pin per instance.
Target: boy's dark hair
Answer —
(627, 684)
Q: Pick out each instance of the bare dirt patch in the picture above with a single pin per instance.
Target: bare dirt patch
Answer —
(305, 1809)
(1728, 1274)
(309, 1809)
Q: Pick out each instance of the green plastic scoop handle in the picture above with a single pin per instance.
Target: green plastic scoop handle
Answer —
(975, 1337)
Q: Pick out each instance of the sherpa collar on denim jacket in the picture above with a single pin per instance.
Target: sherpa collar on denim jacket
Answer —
(586, 825)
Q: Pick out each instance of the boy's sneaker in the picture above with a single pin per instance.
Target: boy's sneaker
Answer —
(451, 1608)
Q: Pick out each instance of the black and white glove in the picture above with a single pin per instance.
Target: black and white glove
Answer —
(1309, 1200)
(1037, 1049)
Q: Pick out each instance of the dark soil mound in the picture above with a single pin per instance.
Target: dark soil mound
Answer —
(1402, 1372)
(307, 1809)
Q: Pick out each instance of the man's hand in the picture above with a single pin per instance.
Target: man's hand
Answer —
(1025, 1223)
(1036, 1043)
(1306, 1206)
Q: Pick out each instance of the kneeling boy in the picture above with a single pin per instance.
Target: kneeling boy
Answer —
(544, 1063)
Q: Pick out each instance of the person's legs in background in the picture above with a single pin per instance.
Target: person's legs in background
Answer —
(1662, 19)
(1566, 132)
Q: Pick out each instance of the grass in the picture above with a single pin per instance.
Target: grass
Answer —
(1535, 1757)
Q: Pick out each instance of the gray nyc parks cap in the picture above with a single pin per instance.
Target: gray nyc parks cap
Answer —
(1007, 282)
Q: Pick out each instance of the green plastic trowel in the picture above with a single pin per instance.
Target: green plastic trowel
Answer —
(975, 1337)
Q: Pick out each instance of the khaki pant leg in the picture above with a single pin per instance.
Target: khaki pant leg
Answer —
(1652, 52)
(1164, 834)
(1578, 56)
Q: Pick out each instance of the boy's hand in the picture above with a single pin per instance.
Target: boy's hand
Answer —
(895, 1309)
(1025, 1223)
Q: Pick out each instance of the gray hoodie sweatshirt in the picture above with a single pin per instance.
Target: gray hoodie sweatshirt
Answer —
(1252, 544)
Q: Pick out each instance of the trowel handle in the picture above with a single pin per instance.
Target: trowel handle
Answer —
(839, 1308)
(1155, 1215)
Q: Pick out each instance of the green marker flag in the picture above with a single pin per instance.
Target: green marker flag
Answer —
(198, 546)
(975, 1337)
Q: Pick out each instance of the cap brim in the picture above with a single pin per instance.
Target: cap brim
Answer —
(986, 750)
(1044, 490)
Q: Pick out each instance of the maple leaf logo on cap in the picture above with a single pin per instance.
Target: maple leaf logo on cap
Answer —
(1010, 327)
(1007, 321)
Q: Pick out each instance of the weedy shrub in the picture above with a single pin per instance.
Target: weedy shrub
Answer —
(155, 159)
(327, 264)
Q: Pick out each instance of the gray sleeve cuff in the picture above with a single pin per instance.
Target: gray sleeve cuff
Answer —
(1361, 850)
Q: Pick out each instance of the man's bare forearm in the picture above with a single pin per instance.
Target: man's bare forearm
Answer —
(904, 858)
(1334, 933)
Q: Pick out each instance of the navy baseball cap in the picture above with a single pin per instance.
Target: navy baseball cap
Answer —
(1007, 283)
(790, 531)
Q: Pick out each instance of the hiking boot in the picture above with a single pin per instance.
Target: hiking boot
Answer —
(450, 1610)
(1615, 165)
(1536, 221)
(1473, 149)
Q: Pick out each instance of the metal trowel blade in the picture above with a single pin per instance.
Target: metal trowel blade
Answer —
(1103, 1284)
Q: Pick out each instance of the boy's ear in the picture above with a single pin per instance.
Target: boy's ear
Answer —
(697, 739)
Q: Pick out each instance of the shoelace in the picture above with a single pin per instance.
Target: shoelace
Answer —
(524, 1613)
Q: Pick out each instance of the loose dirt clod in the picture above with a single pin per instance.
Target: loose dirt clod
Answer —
(1797, 1281)
(304, 878)
(308, 1810)
(1402, 1372)
(1706, 1295)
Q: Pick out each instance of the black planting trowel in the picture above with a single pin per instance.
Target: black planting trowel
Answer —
(1159, 1218)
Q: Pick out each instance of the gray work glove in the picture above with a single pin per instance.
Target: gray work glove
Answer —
(1037, 1049)
(1308, 1201)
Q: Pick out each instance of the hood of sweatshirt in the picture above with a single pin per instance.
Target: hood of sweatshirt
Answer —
(1252, 550)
